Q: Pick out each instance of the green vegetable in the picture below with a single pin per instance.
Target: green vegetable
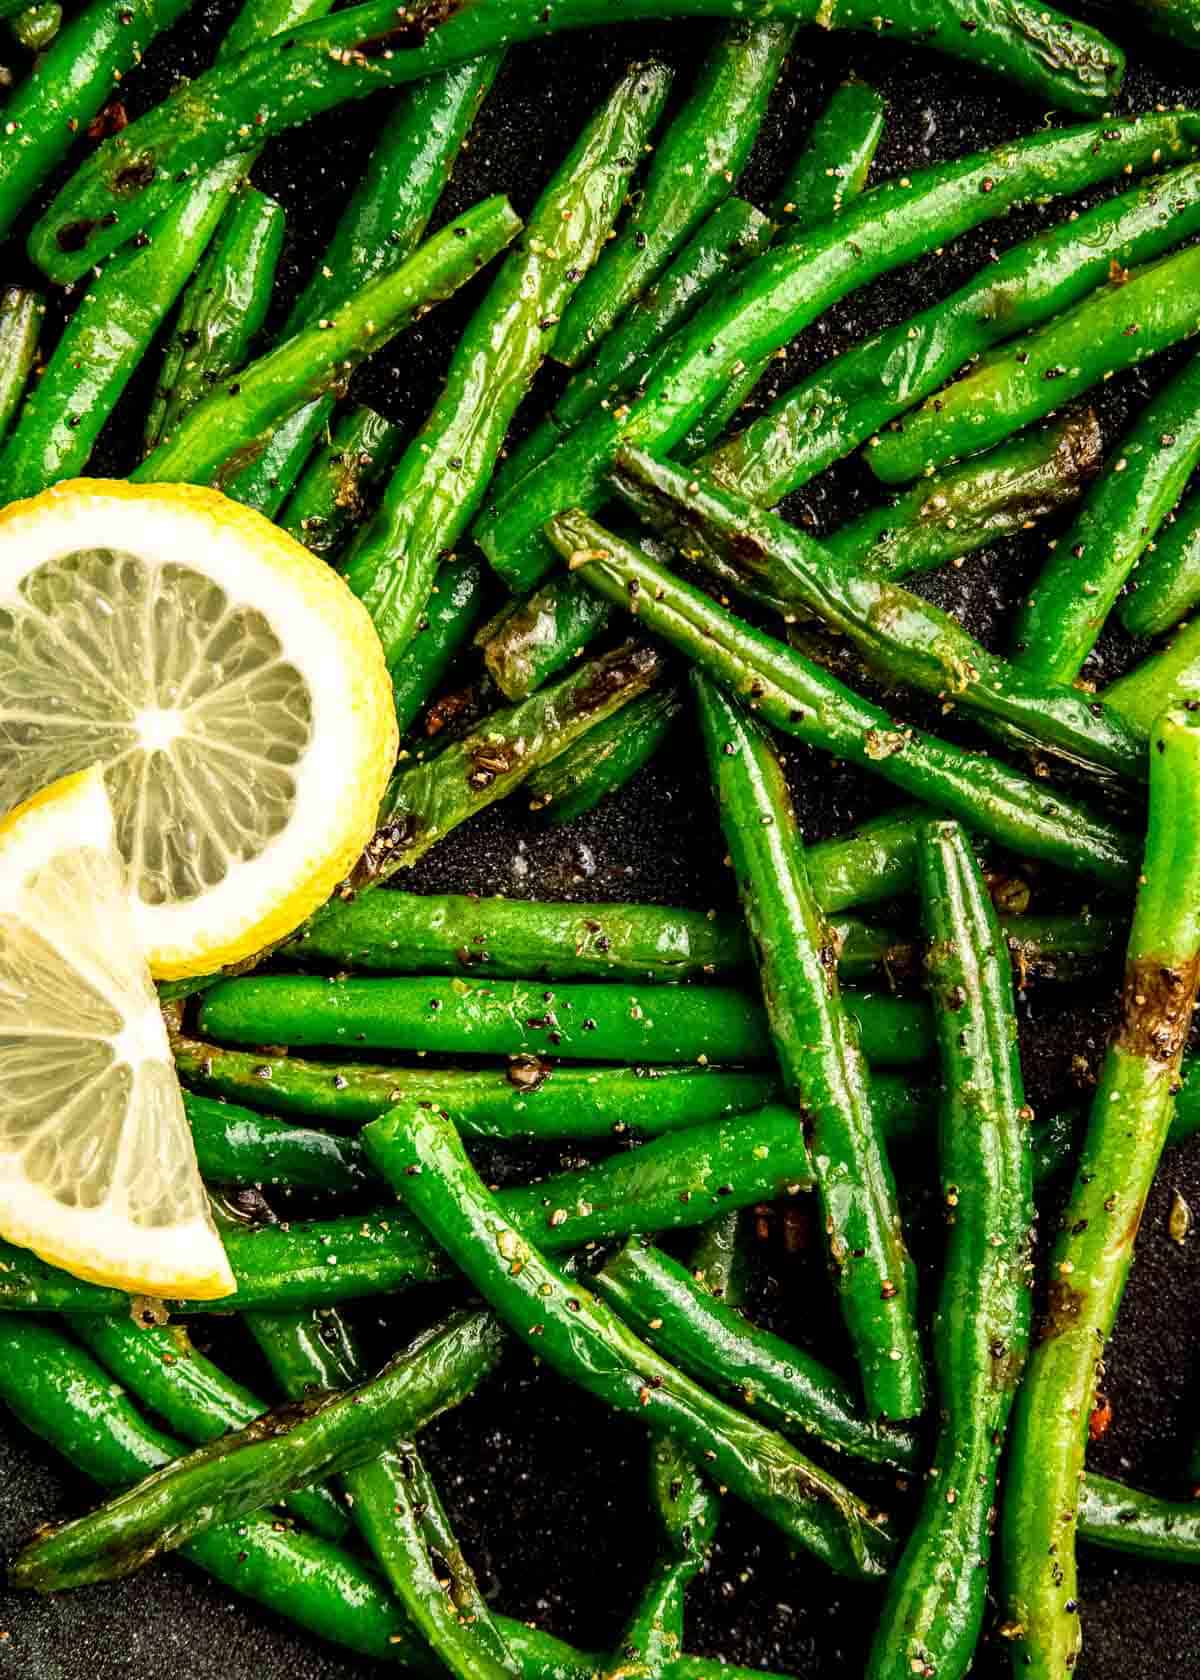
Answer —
(21, 315)
(441, 477)
(781, 1384)
(334, 493)
(1166, 679)
(852, 397)
(797, 697)
(442, 631)
(1119, 326)
(1131, 1116)
(906, 639)
(692, 168)
(222, 310)
(191, 1395)
(1064, 62)
(1118, 523)
(426, 800)
(577, 1021)
(1125, 1520)
(106, 340)
(230, 425)
(1166, 586)
(36, 26)
(607, 757)
(783, 291)
(237, 1146)
(536, 637)
(583, 1340)
(1179, 20)
(379, 229)
(932, 1615)
(824, 1074)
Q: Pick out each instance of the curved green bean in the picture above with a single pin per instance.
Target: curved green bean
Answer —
(603, 760)
(824, 1073)
(581, 1338)
(21, 315)
(1127, 1131)
(749, 1367)
(237, 1146)
(797, 697)
(694, 164)
(228, 427)
(221, 312)
(933, 1612)
(852, 397)
(334, 493)
(536, 637)
(1132, 318)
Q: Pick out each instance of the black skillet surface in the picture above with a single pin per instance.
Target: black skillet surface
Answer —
(545, 1490)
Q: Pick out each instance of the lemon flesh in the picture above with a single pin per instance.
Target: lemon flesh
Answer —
(98, 1174)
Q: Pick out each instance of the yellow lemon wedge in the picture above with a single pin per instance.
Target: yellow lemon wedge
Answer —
(98, 1174)
(230, 687)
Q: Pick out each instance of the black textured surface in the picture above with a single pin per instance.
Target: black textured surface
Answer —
(546, 1492)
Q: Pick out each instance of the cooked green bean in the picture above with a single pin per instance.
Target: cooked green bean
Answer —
(852, 397)
(191, 1395)
(581, 1338)
(1130, 1119)
(693, 166)
(21, 315)
(105, 341)
(237, 1146)
(37, 25)
(932, 1614)
(227, 427)
(1125, 1520)
(1166, 586)
(1165, 680)
(577, 1021)
(1113, 533)
(443, 630)
(333, 494)
(781, 1384)
(607, 757)
(1131, 319)
(536, 637)
(784, 290)
(797, 697)
(432, 495)
(824, 1074)
(222, 310)
(232, 1477)
(902, 636)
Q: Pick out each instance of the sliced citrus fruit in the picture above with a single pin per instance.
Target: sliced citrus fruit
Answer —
(97, 1170)
(230, 685)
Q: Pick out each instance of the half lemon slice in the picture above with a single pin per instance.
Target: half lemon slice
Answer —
(98, 1174)
(230, 685)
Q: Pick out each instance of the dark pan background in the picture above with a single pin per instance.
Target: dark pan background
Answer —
(547, 1491)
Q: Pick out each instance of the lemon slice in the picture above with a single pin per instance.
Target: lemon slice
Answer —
(230, 685)
(97, 1170)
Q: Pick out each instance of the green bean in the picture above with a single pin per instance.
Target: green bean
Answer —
(334, 492)
(1165, 680)
(105, 341)
(578, 1021)
(1114, 532)
(1119, 326)
(232, 1477)
(536, 637)
(783, 1386)
(442, 631)
(797, 697)
(225, 428)
(381, 226)
(424, 801)
(932, 1615)
(994, 495)
(440, 480)
(394, 1501)
(583, 1340)
(905, 638)
(21, 316)
(236, 1146)
(781, 292)
(352, 54)
(852, 397)
(222, 310)
(686, 1508)
(693, 166)
(1166, 586)
(734, 233)
(603, 760)
(824, 1074)
(37, 25)
(1125, 1520)
(66, 1400)
(1179, 20)
(191, 1395)
(1130, 1119)
(66, 89)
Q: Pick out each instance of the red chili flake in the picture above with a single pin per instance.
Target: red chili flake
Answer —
(1101, 1418)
